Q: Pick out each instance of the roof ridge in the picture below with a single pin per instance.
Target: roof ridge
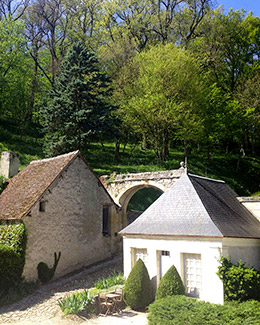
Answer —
(72, 153)
(207, 178)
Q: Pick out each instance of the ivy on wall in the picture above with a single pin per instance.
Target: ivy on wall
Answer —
(13, 239)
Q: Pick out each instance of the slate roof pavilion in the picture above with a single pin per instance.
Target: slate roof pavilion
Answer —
(199, 207)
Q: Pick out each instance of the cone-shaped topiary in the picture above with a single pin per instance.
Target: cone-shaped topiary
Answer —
(138, 288)
(171, 284)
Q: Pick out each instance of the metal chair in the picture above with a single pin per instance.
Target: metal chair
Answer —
(104, 304)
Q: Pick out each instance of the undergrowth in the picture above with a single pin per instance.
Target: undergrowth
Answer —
(76, 303)
(84, 300)
(114, 280)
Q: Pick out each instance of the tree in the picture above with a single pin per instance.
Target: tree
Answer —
(228, 47)
(15, 73)
(77, 108)
(160, 93)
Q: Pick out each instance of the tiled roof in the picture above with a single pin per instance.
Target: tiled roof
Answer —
(27, 187)
(196, 206)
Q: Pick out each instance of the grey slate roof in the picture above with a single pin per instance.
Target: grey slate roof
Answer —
(196, 206)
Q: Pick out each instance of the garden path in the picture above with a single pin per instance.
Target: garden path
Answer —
(41, 308)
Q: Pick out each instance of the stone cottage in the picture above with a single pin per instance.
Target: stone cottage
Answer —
(188, 226)
(66, 209)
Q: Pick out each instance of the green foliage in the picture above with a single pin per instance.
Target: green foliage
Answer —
(138, 287)
(3, 184)
(77, 108)
(240, 282)
(161, 97)
(15, 71)
(188, 311)
(76, 303)
(45, 274)
(171, 284)
(114, 280)
(142, 199)
(12, 254)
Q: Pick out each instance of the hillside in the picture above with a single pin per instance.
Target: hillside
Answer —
(241, 173)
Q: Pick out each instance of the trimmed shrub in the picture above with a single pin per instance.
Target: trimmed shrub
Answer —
(188, 311)
(240, 282)
(171, 284)
(138, 287)
(12, 254)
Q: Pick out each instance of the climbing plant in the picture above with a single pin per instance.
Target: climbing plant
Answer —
(13, 239)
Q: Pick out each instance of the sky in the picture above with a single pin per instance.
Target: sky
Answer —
(248, 5)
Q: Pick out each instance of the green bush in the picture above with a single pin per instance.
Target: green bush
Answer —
(189, 311)
(171, 284)
(12, 254)
(76, 303)
(138, 287)
(113, 280)
(240, 282)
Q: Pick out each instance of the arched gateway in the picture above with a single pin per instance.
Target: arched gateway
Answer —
(122, 187)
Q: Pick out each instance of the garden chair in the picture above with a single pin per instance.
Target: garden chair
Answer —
(104, 304)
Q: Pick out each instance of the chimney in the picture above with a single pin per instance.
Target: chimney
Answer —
(9, 164)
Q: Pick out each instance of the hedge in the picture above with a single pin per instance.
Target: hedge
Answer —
(189, 311)
(12, 254)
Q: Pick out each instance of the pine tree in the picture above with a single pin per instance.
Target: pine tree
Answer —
(77, 109)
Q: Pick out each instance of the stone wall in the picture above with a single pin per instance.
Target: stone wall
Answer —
(119, 185)
(71, 223)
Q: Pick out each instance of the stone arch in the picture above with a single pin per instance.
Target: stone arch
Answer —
(128, 194)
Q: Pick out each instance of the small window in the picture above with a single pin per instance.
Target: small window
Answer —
(106, 221)
(42, 206)
(165, 253)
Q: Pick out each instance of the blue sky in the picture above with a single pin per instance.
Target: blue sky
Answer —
(248, 5)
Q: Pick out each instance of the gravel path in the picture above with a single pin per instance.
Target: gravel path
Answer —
(41, 308)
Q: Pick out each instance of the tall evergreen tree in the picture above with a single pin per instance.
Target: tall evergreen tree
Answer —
(77, 109)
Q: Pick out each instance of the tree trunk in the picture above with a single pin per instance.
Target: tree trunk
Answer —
(117, 149)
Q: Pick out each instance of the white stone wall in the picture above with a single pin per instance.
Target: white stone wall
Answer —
(254, 208)
(248, 250)
(71, 224)
(212, 287)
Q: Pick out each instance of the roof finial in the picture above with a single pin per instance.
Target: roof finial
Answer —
(184, 165)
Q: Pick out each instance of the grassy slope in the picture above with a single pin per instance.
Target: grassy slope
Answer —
(244, 179)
